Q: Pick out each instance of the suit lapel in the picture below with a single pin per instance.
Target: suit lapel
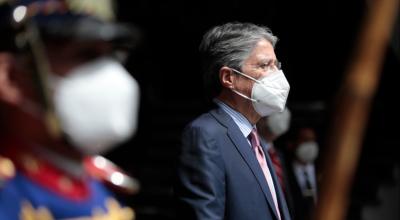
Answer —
(244, 149)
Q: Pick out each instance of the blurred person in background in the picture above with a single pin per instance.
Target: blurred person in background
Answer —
(271, 128)
(223, 170)
(302, 170)
(64, 96)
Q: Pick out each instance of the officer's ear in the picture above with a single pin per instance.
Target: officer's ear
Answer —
(226, 77)
(9, 92)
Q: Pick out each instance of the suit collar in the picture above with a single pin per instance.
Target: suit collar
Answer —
(240, 120)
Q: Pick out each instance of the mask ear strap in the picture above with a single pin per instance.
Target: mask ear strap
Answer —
(240, 94)
(245, 75)
(244, 96)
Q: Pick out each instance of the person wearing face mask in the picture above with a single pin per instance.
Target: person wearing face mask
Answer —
(271, 128)
(302, 174)
(65, 99)
(223, 170)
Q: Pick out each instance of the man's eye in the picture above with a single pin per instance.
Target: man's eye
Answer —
(264, 66)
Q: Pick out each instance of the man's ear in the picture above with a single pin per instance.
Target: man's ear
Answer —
(9, 92)
(226, 77)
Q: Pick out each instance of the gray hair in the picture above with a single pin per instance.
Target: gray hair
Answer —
(229, 45)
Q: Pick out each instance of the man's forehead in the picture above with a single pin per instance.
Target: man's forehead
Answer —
(307, 133)
(263, 51)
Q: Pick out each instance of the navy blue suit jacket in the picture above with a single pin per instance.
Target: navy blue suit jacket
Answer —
(219, 176)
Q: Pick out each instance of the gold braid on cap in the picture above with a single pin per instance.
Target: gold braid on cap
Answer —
(100, 9)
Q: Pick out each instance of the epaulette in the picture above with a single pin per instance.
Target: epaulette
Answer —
(7, 170)
(109, 173)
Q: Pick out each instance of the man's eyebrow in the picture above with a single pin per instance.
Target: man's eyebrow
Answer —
(267, 60)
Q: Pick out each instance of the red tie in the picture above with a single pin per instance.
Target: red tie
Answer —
(255, 143)
(276, 161)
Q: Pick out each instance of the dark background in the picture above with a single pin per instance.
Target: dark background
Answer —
(316, 43)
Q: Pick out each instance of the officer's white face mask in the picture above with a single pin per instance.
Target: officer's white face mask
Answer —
(269, 93)
(307, 152)
(97, 105)
(278, 123)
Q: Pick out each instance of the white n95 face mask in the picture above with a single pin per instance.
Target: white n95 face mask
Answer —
(269, 94)
(97, 105)
(278, 123)
(307, 152)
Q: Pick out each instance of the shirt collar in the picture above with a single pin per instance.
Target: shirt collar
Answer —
(244, 125)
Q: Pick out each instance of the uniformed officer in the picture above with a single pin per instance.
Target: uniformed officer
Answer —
(65, 98)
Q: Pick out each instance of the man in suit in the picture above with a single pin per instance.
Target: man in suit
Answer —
(271, 130)
(223, 171)
(302, 171)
